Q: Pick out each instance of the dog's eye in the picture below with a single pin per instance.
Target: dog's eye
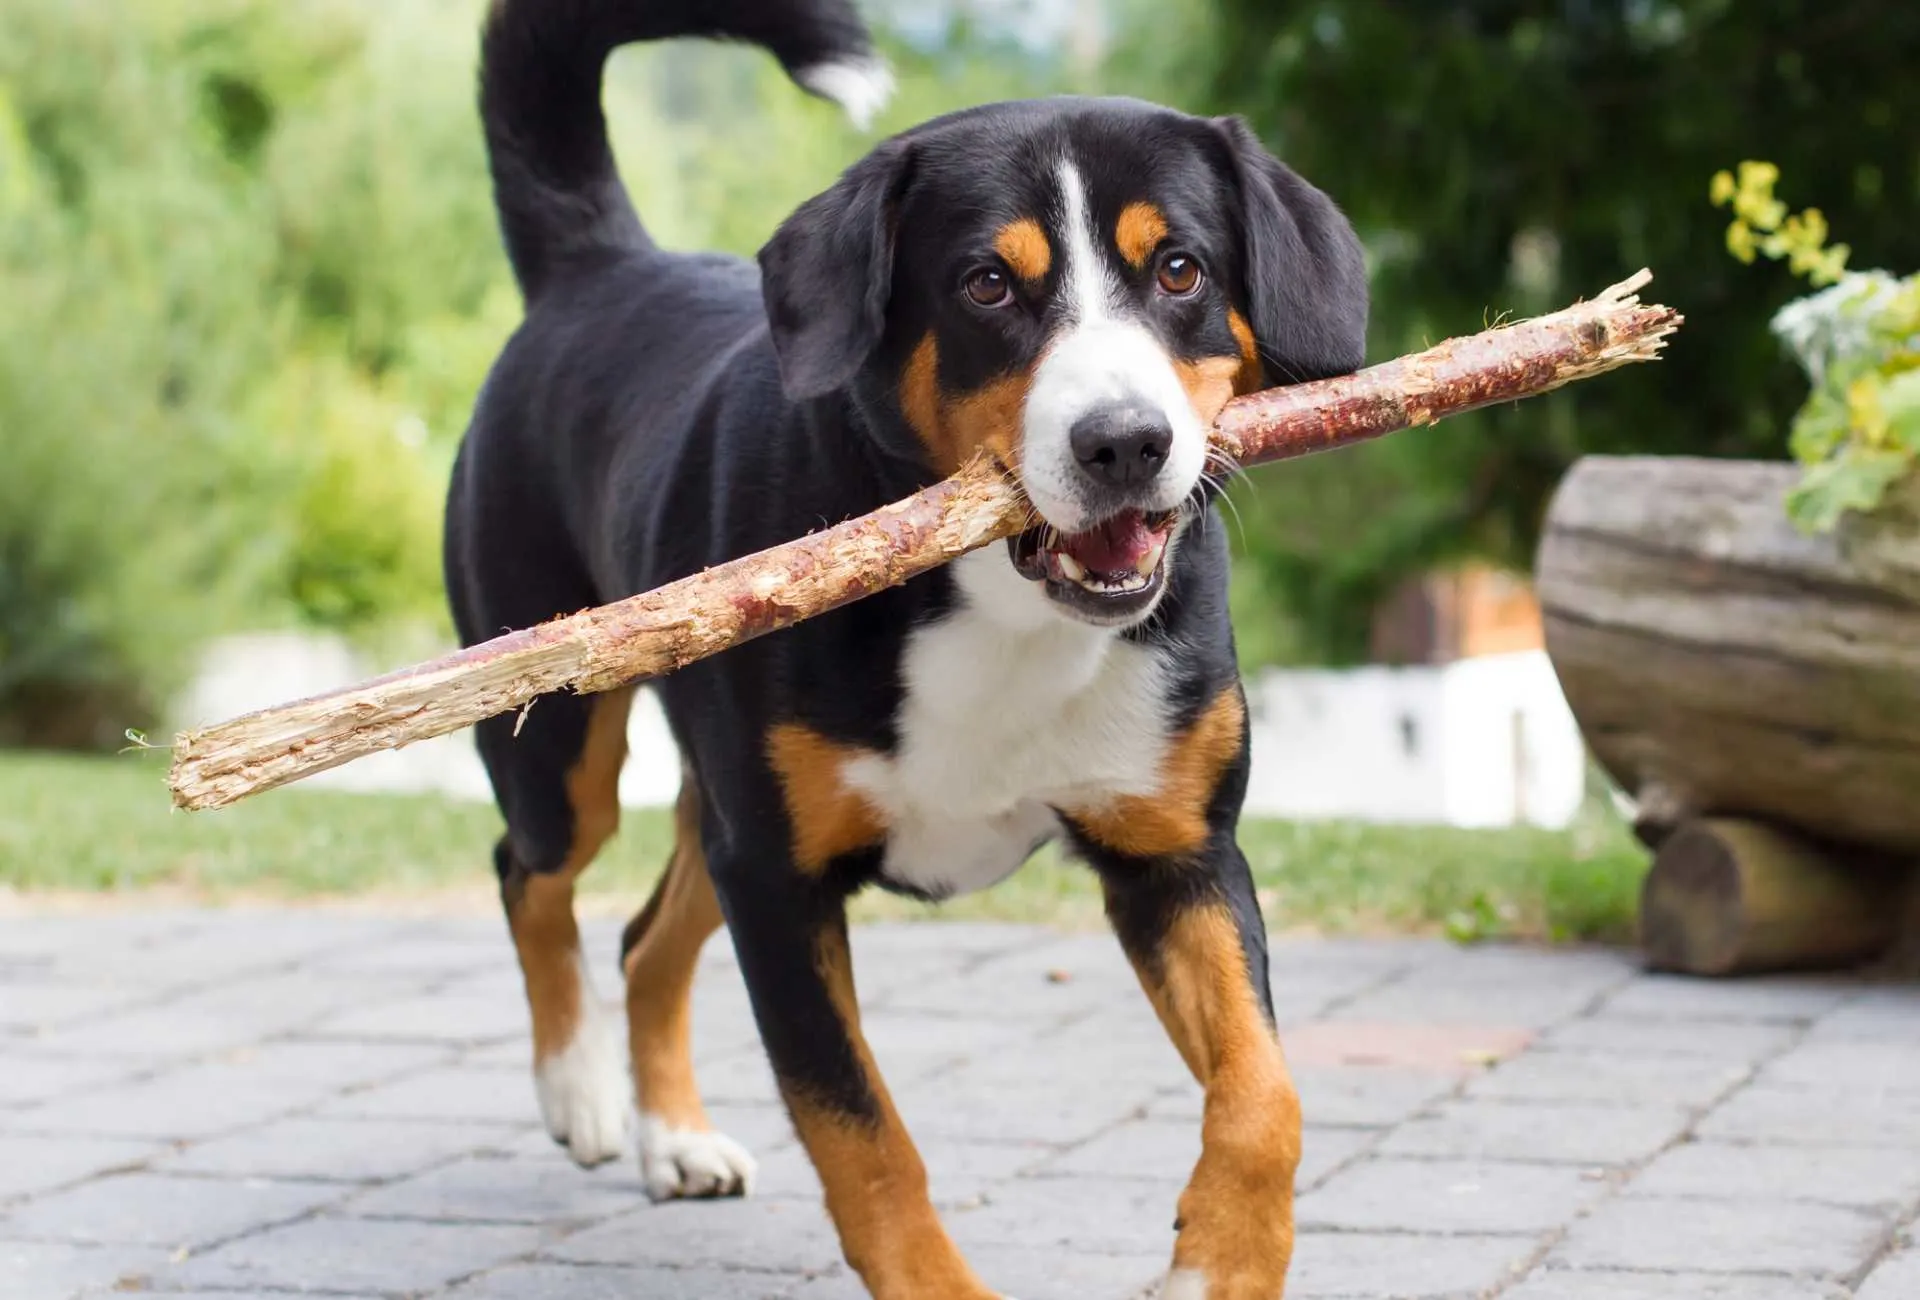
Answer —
(988, 286)
(1179, 274)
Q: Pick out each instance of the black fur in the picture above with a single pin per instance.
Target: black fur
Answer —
(659, 412)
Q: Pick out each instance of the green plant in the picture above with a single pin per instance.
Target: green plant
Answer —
(1858, 434)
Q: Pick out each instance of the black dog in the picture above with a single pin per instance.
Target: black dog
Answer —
(1073, 287)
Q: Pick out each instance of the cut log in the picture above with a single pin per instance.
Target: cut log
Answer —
(1721, 663)
(660, 631)
(1732, 897)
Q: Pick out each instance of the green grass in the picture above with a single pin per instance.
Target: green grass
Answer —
(100, 826)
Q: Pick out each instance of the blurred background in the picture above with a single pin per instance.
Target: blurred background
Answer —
(250, 281)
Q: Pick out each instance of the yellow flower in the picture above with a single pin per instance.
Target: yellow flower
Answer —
(1740, 241)
(1720, 192)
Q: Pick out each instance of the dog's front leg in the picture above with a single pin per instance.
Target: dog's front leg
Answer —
(1192, 928)
(790, 931)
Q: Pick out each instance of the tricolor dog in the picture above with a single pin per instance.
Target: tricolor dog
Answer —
(1072, 287)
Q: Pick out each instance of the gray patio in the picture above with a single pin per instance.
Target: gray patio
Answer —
(264, 1101)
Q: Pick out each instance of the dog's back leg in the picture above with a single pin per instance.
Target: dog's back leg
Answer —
(559, 783)
(680, 1153)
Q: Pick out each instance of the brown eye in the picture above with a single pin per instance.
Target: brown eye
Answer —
(1179, 274)
(988, 287)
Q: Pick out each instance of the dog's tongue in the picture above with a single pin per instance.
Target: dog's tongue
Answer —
(1113, 547)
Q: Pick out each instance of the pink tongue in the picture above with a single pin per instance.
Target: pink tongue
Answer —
(1114, 547)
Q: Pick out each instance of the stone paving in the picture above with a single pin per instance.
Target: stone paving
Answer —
(252, 1103)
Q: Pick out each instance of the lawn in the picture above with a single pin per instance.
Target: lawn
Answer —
(102, 826)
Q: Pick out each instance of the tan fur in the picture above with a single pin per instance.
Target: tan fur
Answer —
(1251, 377)
(1172, 822)
(1236, 1213)
(1209, 382)
(1023, 246)
(540, 905)
(828, 817)
(664, 950)
(1138, 232)
(874, 1179)
(956, 427)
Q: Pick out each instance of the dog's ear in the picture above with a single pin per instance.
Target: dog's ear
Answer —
(828, 271)
(1305, 276)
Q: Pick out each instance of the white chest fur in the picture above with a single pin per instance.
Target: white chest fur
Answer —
(1010, 711)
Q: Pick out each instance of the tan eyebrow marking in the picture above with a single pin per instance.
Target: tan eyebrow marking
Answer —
(1138, 232)
(1023, 246)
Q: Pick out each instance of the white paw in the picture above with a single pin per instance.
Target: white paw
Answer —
(584, 1089)
(1185, 1284)
(692, 1163)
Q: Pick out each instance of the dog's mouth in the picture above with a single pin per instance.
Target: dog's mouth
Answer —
(1108, 574)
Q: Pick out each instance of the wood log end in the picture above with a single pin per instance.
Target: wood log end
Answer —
(1733, 897)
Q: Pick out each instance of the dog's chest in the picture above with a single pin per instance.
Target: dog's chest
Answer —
(1010, 712)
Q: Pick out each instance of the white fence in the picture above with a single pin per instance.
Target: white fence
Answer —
(1481, 742)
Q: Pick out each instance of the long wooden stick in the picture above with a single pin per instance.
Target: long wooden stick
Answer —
(659, 631)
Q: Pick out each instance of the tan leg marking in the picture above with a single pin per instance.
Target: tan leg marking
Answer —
(1138, 232)
(1236, 1214)
(680, 1153)
(829, 817)
(1024, 247)
(1172, 822)
(875, 1181)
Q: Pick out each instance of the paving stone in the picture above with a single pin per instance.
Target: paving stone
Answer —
(1606, 1078)
(1881, 1014)
(1343, 1096)
(790, 1236)
(496, 1190)
(1559, 1284)
(1862, 1177)
(1789, 999)
(600, 1282)
(1531, 1004)
(1654, 1233)
(351, 1151)
(1112, 1217)
(1897, 1277)
(1343, 1265)
(1036, 1108)
(447, 1094)
(1736, 1042)
(1540, 1131)
(1448, 1196)
(1850, 1067)
(1799, 1117)
(147, 1209)
(464, 1016)
(36, 1006)
(49, 1270)
(26, 1078)
(345, 1254)
(182, 1104)
(1445, 1050)
(34, 1164)
(1066, 1275)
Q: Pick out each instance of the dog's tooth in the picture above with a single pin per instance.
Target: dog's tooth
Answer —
(1149, 560)
(1071, 567)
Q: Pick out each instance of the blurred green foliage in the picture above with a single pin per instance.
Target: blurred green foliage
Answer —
(1509, 156)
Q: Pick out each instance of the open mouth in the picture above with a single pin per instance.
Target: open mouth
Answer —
(1109, 572)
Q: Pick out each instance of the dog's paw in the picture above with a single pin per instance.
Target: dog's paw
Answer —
(692, 1163)
(585, 1095)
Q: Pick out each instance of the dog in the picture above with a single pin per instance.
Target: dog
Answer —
(1072, 287)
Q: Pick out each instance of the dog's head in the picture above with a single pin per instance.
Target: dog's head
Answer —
(1074, 287)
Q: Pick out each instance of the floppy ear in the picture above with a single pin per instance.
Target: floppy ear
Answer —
(827, 273)
(1305, 274)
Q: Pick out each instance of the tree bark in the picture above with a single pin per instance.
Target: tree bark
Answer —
(1722, 663)
(1735, 897)
(657, 632)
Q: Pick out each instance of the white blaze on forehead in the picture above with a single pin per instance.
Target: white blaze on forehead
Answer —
(1102, 355)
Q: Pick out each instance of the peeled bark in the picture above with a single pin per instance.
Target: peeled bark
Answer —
(656, 632)
(1721, 663)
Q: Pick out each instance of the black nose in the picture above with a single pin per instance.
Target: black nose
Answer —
(1121, 445)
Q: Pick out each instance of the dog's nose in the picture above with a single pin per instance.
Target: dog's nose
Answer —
(1121, 446)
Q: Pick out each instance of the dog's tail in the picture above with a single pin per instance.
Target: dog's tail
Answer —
(554, 180)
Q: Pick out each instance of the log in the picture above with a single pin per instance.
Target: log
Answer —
(1734, 897)
(657, 632)
(1722, 663)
